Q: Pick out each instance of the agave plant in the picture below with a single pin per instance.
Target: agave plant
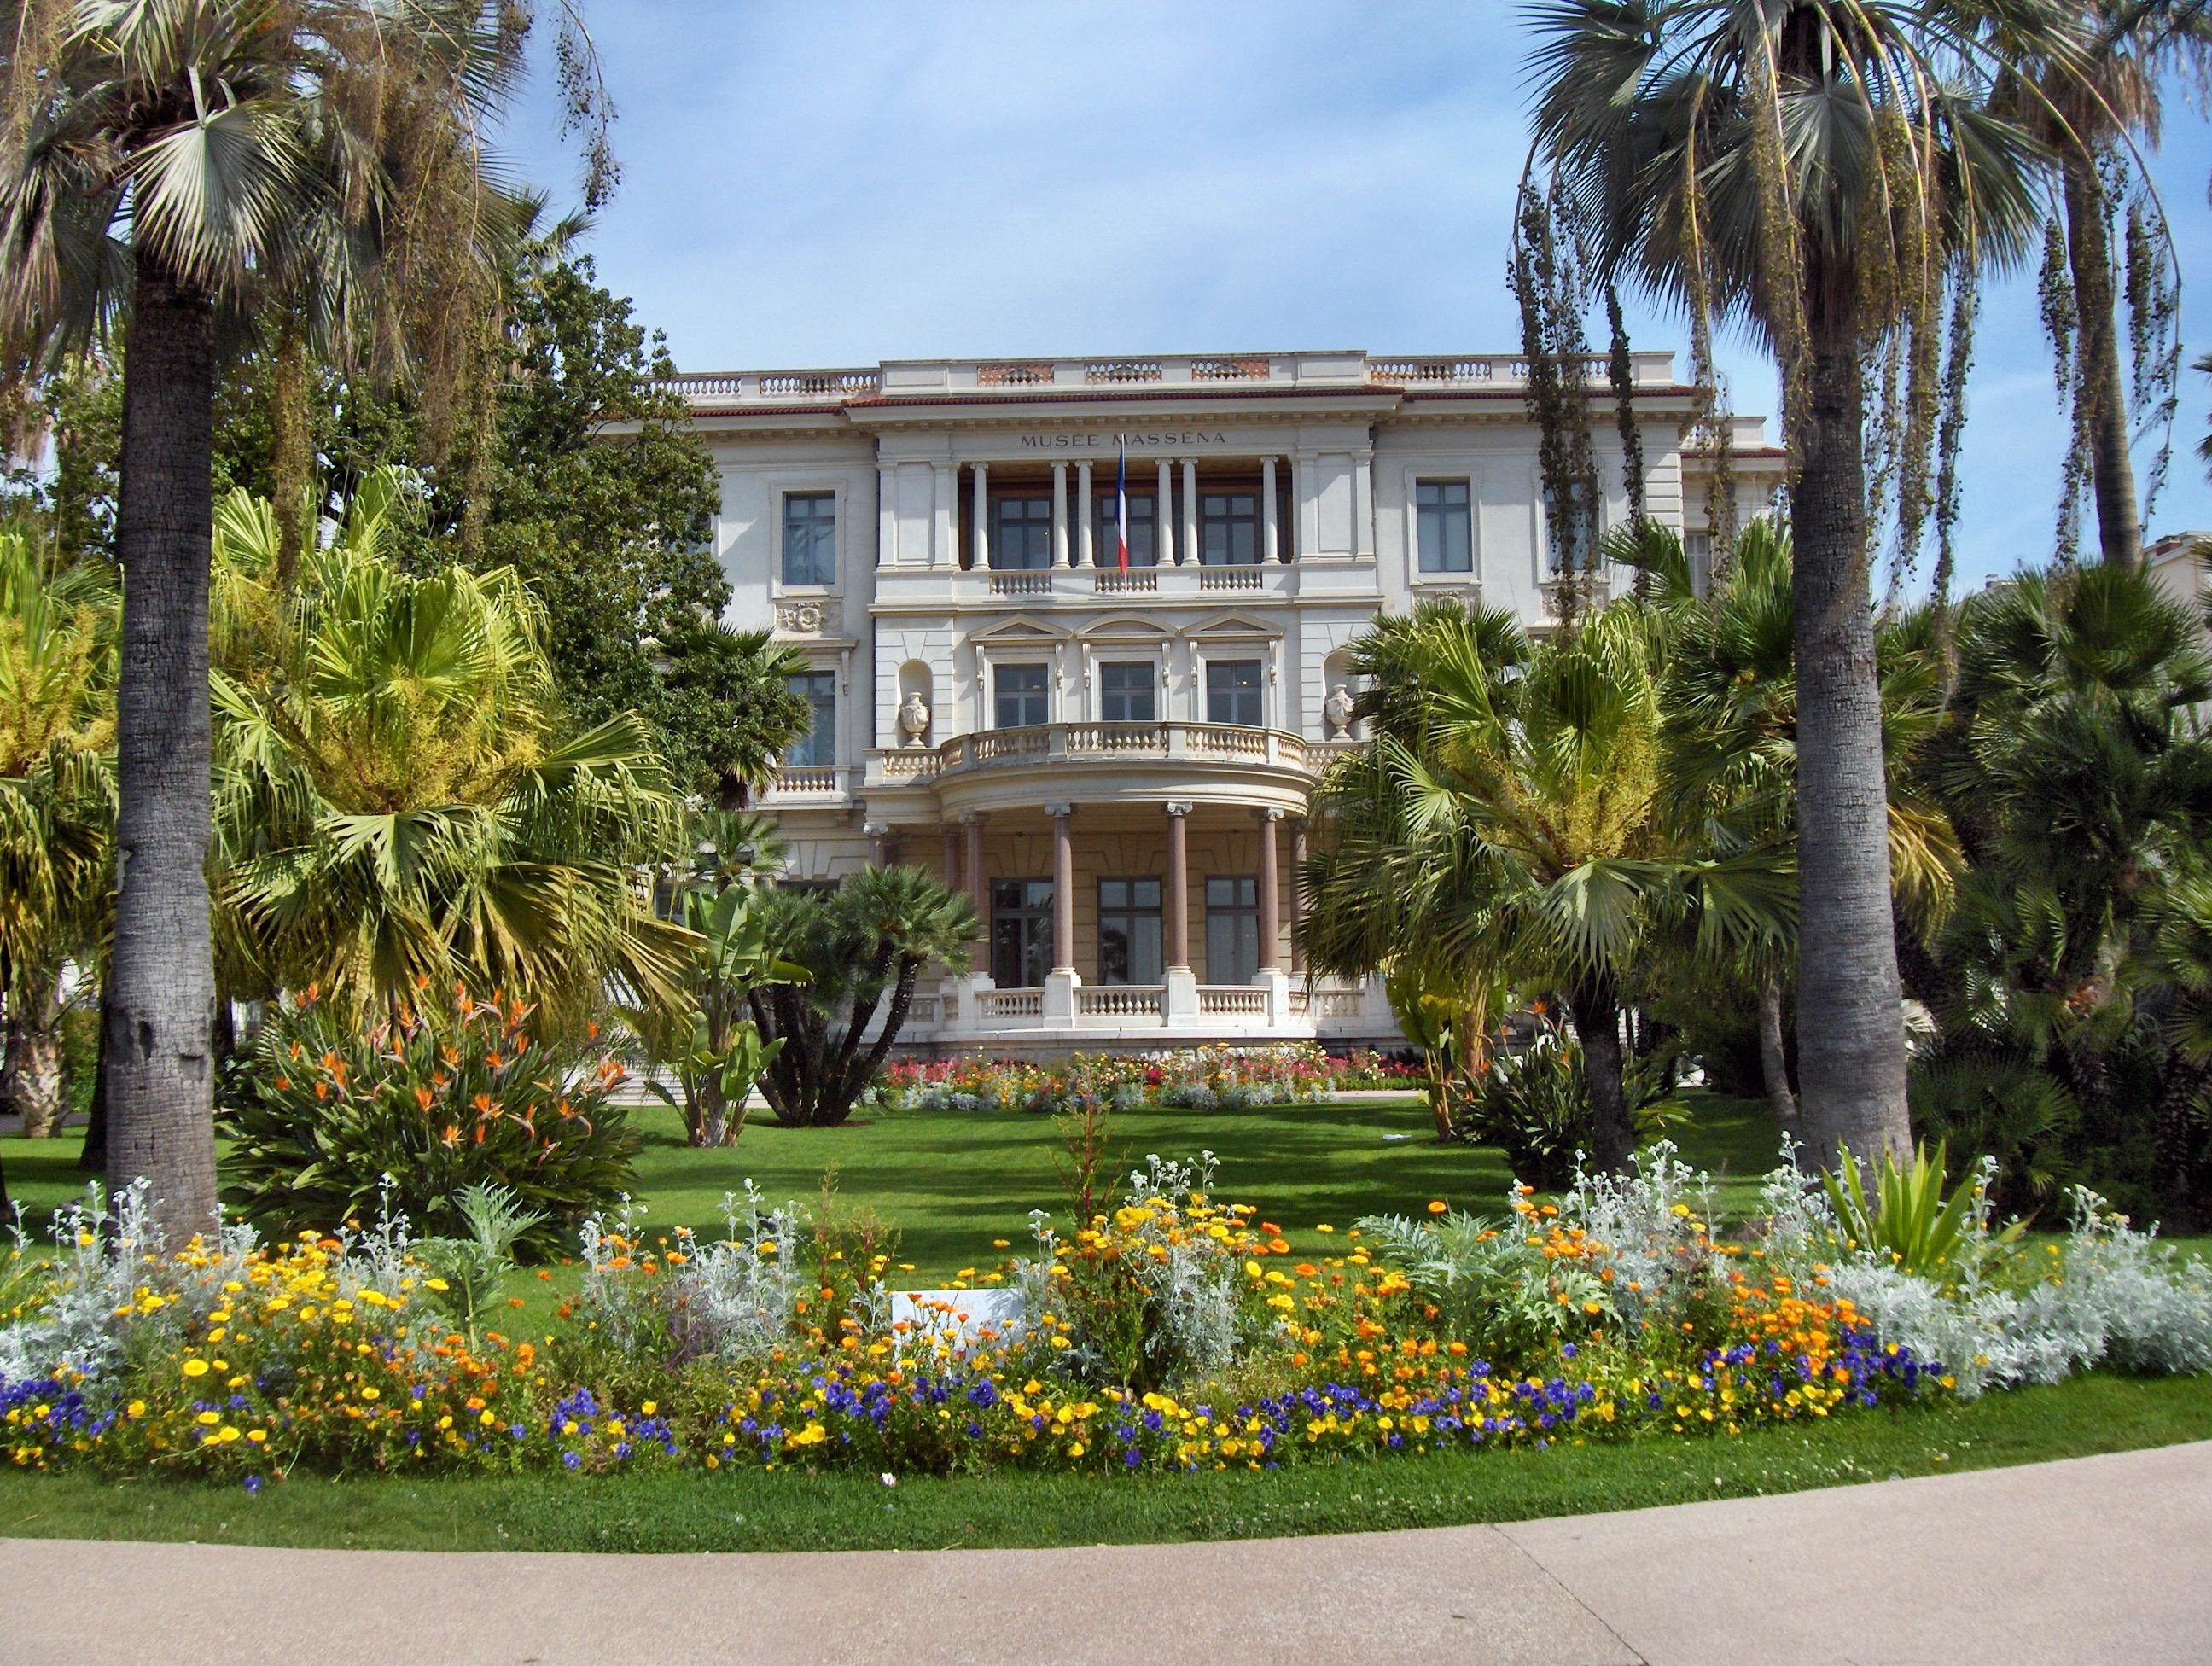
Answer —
(1908, 1218)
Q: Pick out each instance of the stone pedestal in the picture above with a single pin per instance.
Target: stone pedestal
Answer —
(1059, 988)
(1180, 996)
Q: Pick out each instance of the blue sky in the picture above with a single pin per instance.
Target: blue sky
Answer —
(828, 183)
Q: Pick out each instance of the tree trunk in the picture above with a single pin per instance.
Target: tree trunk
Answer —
(1597, 1025)
(92, 1159)
(31, 1077)
(1773, 1058)
(1850, 1018)
(2111, 463)
(158, 1003)
(292, 457)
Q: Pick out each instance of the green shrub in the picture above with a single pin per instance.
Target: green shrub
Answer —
(437, 1099)
(1534, 1105)
(2019, 1114)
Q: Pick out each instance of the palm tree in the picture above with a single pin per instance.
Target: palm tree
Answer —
(1731, 703)
(396, 799)
(2093, 109)
(1512, 817)
(1823, 169)
(164, 160)
(874, 937)
(56, 799)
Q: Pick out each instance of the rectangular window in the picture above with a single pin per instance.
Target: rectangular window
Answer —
(1440, 507)
(1142, 520)
(1021, 534)
(1125, 692)
(810, 537)
(1021, 933)
(1228, 529)
(1697, 551)
(1232, 691)
(819, 745)
(1232, 928)
(1128, 931)
(1572, 535)
(1019, 697)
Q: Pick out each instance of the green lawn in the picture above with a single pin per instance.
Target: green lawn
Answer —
(951, 1183)
(746, 1510)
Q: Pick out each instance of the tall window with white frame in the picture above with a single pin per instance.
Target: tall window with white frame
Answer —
(810, 539)
(1228, 528)
(1021, 534)
(1125, 692)
(1232, 928)
(1444, 526)
(1233, 692)
(817, 747)
(1142, 546)
(1130, 931)
(1020, 697)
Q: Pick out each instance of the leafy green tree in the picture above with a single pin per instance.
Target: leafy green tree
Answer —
(57, 800)
(167, 162)
(1830, 171)
(873, 938)
(1513, 815)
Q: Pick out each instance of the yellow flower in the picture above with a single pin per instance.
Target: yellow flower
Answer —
(435, 1284)
(1436, 1205)
(370, 1393)
(196, 1367)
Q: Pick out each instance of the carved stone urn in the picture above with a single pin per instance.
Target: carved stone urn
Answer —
(914, 720)
(1337, 709)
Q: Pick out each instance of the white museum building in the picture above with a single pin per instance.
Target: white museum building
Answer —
(1114, 762)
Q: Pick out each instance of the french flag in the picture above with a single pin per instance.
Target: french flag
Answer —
(1122, 509)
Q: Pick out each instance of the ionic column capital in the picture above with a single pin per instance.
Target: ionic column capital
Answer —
(1179, 806)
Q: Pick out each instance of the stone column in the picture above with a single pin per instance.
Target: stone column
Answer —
(1300, 543)
(1190, 510)
(979, 893)
(949, 1008)
(1363, 505)
(1182, 992)
(1060, 514)
(945, 522)
(979, 553)
(1062, 982)
(886, 515)
(1270, 539)
(1298, 887)
(879, 845)
(1164, 552)
(1086, 518)
(951, 869)
(1271, 929)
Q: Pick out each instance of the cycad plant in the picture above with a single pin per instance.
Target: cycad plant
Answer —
(1833, 174)
(397, 797)
(871, 939)
(166, 165)
(1512, 818)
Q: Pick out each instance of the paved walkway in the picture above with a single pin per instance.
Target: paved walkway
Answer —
(2094, 1560)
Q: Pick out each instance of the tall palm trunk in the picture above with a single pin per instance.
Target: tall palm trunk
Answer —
(1773, 1057)
(31, 1075)
(158, 1004)
(1596, 1009)
(2112, 464)
(291, 451)
(1850, 1020)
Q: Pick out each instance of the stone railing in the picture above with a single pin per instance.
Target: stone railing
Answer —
(806, 780)
(1107, 579)
(1121, 370)
(1033, 582)
(1242, 368)
(1450, 372)
(1120, 1000)
(775, 385)
(1051, 742)
(1012, 1003)
(1231, 1001)
(1230, 578)
(1024, 374)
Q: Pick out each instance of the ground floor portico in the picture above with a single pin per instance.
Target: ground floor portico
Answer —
(1116, 910)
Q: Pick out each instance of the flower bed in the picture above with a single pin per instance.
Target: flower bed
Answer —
(1170, 1332)
(1216, 1077)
